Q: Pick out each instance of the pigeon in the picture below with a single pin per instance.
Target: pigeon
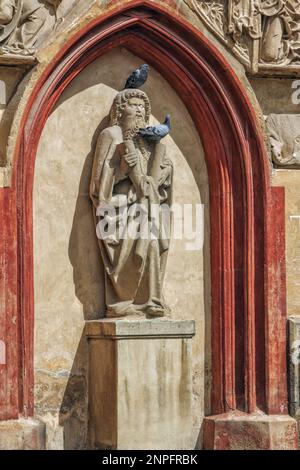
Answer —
(138, 77)
(156, 133)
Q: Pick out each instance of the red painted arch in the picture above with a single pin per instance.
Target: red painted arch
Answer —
(247, 215)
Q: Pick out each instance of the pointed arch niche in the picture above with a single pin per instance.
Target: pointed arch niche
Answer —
(246, 218)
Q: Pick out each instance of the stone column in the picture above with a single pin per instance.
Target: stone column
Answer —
(294, 367)
(140, 384)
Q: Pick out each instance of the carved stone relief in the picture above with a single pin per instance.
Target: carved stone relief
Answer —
(22, 25)
(284, 134)
(263, 34)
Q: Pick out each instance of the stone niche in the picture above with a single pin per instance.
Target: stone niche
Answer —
(68, 272)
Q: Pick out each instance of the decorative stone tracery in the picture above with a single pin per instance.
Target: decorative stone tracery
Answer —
(23, 24)
(263, 34)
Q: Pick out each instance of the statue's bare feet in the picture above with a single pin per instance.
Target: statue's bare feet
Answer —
(155, 311)
(111, 313)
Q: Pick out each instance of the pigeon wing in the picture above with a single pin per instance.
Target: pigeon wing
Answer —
(161, 130)
(148, 131)
(131, 81)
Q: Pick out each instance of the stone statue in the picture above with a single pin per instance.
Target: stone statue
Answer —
(262, 33)
(132, 176)
(272, 25)
(284, 134)
(280, 30)
(23, 22)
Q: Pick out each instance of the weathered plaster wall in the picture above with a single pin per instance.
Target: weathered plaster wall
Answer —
(290, 180)
(275, 95)
(68, 273)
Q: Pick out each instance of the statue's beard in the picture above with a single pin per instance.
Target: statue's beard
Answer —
(131, 127)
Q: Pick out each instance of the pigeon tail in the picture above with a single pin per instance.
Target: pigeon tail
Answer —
(168, 121)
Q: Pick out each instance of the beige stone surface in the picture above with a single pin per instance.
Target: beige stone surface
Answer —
(275, 95)
(9, 80)
(68, 275)
(141, 396)
(289, 179)
(136, 327)
(22, 434)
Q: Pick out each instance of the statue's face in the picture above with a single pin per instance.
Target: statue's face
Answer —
(135, 111)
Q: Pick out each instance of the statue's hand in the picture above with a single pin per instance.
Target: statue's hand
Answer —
(131, 159)
(165, 174)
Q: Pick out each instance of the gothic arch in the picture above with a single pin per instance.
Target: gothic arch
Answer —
(247, 214)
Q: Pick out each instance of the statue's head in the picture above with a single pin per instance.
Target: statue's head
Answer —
(131, 110)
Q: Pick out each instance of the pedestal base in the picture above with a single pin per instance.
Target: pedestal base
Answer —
(240, 431)
(22, 434)
(140, 384)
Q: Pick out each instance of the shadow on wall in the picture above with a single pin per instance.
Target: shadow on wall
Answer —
(84, 252)
(73, 414)
(88, 276)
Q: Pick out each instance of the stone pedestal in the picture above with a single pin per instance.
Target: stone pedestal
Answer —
(140, 384)
(22, 434)
(257, 431)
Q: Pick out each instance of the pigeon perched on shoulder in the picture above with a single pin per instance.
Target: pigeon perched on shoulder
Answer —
(138, 77)
(156, 133)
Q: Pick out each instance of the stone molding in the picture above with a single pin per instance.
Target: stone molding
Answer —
(137, 328)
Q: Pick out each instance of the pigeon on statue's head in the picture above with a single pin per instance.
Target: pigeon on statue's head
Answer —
(138, 78)
(156, 133)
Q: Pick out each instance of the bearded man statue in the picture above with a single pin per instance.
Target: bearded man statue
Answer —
(131, 182)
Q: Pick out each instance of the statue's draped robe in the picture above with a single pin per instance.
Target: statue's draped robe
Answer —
(276, 23)
(134, 265)
(281, 30)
